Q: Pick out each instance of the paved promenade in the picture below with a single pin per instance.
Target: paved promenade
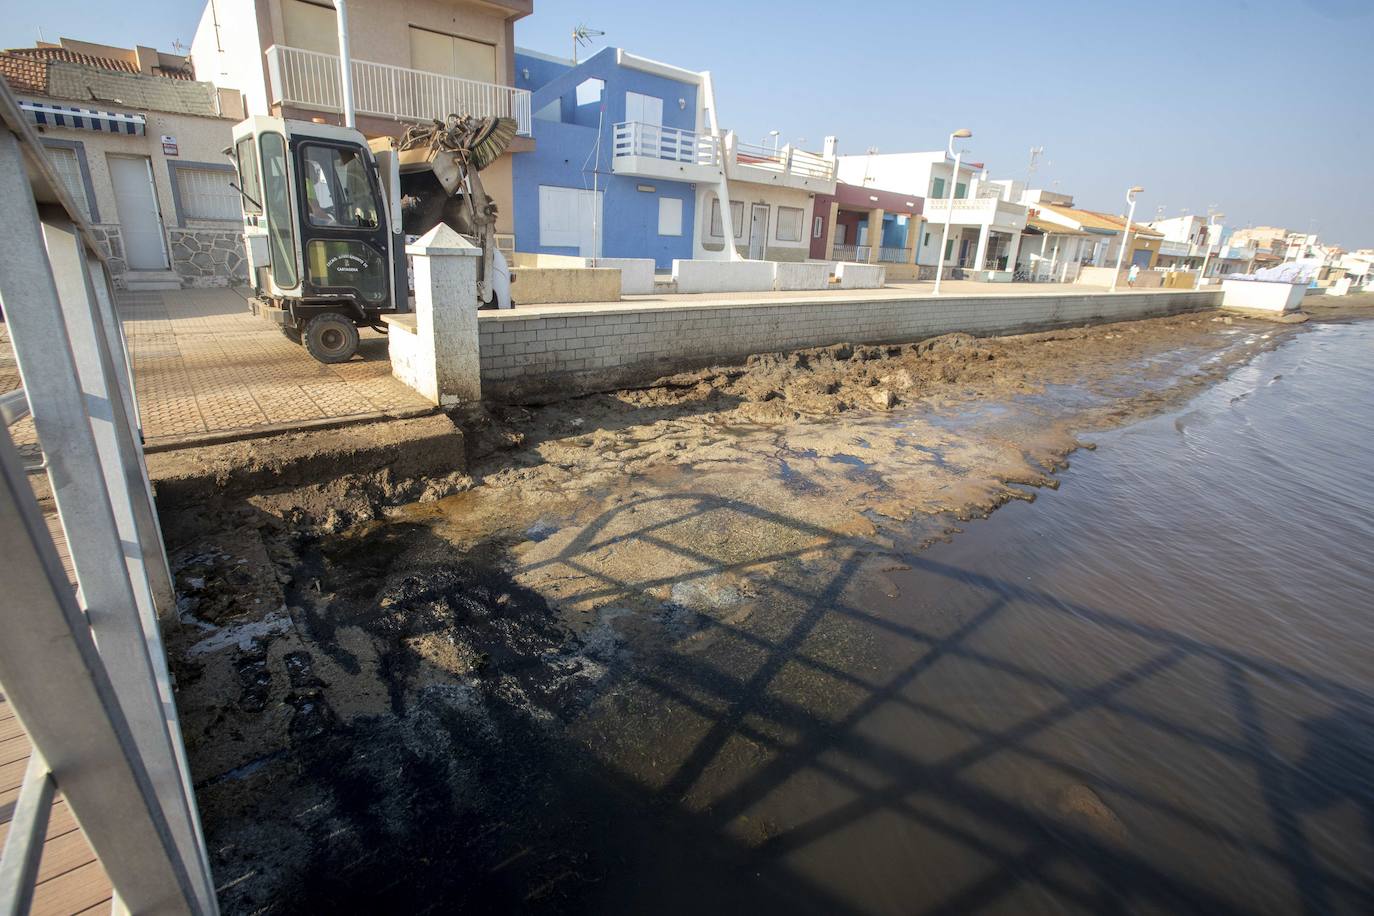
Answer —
(205, 368)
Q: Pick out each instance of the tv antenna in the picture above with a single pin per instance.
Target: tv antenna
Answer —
(582, 37)
(1035, 153)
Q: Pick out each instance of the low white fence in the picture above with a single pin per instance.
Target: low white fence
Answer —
(653, 141)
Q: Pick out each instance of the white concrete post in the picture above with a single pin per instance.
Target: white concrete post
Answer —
(875, 234)
(443, 361)
(981, 256)
(1013, 250)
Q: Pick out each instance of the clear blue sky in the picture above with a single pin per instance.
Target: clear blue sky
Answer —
(1264, 108)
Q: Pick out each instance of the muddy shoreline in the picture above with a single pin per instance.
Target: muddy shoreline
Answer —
(503, 697)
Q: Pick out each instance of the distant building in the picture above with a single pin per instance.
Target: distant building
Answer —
(867, 224)
(138, 144)
(985, 229)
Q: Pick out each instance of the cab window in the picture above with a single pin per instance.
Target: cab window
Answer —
(338, 193)
(247, 158)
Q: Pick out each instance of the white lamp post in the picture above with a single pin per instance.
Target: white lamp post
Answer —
(1126, 238)
(775, 134)
(1207, 254)
(962, 133)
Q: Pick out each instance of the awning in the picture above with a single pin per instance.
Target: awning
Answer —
(46, 114)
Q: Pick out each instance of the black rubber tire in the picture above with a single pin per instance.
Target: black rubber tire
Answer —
(292, 333)
(330, 338)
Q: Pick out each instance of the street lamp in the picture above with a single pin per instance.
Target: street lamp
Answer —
(1207, 253)
(775, 134)
(962, 133)
(1126, 238)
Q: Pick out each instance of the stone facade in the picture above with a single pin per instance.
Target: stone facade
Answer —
(208, 257)
(111, 247)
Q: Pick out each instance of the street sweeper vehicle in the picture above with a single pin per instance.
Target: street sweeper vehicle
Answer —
(326, 216)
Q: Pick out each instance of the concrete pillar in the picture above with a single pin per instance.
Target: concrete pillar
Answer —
(439, 354)
(914, 227)
(875, 234)
(830, 230)
(981, 256)
(1013, 250)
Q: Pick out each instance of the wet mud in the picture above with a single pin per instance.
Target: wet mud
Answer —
(517, 698)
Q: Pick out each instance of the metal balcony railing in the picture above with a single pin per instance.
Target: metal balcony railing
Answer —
(309, 79)
(785, 161)
(671, 144)
(894, 255)
(84, 670)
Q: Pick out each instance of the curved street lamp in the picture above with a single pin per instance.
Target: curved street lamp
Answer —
(962, 133)
(1126, 237)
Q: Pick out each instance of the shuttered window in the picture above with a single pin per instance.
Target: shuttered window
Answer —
(310, 26)
(206, 194)
(790, 224)
(669, 216)
(450, 55)
(68, 168)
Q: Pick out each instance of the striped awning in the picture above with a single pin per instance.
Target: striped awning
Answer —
(46, 114)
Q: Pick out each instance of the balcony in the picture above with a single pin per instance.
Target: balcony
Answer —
(788, 167)
(310, 80)
(667, 153)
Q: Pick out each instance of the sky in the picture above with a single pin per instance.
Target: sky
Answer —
(1261, 109)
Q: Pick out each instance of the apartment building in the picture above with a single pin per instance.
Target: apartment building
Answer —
(138, 144)
(412, 61)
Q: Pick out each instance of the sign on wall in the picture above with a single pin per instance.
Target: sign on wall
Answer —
(169, 145)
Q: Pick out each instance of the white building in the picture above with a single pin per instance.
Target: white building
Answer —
(984, 229)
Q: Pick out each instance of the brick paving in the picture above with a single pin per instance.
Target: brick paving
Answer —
(204, 366)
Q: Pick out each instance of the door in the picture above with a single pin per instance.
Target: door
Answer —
(570, 218)
(758, 231)
(140, 224)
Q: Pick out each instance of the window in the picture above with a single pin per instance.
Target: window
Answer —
(790, 224)
(247, 158)
(206, 193)
(960, 191)
(311, 26)
(277, 200)
(589, 91)
(949, 249)
(68, 167)
(569, 218)
(937, 188)
(817, 227)
(926, 243)
(337, 190)
(646, 109)
(670, 216)
(736, 218)
(435, 52)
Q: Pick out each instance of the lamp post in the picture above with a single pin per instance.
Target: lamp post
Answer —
(1126, 238)
(962, 133)
(1207, 254)
(775, 134)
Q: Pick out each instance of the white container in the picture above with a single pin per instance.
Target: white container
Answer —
(1262, 295)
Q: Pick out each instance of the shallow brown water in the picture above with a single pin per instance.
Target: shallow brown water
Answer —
(1149, 691)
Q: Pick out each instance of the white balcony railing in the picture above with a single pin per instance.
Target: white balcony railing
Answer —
(653, 141)
(309, 79)
(893, 255)
(858, 253)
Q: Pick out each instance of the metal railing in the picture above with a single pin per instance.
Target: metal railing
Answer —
(653, 141)
(858, 253)
(309, 79)
(785, 161)
(84, 669)
(894, 255)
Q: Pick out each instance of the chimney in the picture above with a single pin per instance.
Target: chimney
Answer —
(146, 58)
(831, 148)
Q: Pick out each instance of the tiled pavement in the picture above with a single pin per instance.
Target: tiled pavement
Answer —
(204, 366)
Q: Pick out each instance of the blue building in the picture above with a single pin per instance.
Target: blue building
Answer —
(575, 192)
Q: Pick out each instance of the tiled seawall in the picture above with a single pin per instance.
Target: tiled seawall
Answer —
(571, 350)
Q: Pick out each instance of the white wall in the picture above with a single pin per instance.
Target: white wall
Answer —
(231, 56)
(749, 194)
(905, 173)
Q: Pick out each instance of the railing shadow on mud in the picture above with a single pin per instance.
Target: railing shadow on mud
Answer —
(740, 703)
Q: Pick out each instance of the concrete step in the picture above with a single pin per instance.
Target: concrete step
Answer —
(137, 280)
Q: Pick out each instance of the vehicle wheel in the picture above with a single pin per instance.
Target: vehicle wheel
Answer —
(292, 333)
(331, 338)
